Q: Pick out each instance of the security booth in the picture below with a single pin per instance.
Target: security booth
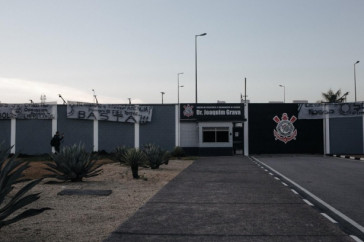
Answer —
(212, 129)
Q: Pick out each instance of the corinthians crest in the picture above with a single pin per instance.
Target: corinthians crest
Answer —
(285, 131)
(188, 112)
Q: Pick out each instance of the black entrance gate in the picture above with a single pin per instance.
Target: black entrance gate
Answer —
(238, 138)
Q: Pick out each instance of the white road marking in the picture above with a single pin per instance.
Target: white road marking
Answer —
(308, 202)
(284, 184)
(316, 198)
(356, 238)
(294, 191)
(277, 178)
(329, 218)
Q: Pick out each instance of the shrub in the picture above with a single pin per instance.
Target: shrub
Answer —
(119, 154)
(73, 163)
(134, 157)
(178, 152)
(11, 173)
(166, 157)
(155, 155)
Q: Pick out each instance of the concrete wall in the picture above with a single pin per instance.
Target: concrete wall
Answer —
(5, 133)
(33, 136)
(113, 134)
(346, 136)
(162, 130)
(75, 131)
(189, 134)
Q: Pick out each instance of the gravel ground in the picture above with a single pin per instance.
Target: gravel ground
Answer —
(86, 217)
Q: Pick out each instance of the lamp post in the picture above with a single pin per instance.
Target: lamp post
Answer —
(284, 93)
(64, 101)
(162, 96)
(355, 79)
(196, 60)
(178, 86)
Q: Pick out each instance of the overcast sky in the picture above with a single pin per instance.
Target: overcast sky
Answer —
(134, 49)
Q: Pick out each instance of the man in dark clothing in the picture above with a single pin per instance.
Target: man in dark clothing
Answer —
(56, 141)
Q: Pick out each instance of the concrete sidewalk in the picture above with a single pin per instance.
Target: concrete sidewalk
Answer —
(227, 199)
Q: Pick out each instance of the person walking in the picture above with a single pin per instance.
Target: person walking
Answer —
(56, 141)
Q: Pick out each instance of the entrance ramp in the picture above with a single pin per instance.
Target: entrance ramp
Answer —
(227, 199)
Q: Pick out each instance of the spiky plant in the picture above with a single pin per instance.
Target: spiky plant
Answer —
(119, 153)
(11, 173)
(154, 155)
(166, 157)
(134, 157)
(178, 152)
(73, 163)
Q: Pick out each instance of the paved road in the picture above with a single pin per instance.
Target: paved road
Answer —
(227, 199)
(337, 181)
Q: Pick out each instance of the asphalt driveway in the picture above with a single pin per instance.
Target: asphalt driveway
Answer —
(227, 199)
(337, 181)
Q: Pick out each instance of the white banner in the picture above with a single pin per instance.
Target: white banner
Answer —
(109, 112)
(27, 111)
(330, 110)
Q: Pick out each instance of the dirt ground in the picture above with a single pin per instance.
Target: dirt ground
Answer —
(87, 217)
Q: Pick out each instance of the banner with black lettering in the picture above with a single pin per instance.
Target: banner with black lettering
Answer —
(28, 111)
(212, 112)
(110, 112)
(330, 110)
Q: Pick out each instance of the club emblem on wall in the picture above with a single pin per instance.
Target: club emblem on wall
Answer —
(285, 130)
(188, 112)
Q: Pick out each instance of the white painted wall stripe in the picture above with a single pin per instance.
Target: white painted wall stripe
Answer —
(96, 135)
(136, 135)
(246, 130)
(326, 121)
(54, 124)
(177, 126)
(13, 135)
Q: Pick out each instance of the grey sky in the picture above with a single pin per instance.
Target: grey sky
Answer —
(136, 48)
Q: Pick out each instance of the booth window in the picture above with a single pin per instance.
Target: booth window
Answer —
(215, 135)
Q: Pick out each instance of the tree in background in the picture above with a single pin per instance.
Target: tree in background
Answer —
(334, 97)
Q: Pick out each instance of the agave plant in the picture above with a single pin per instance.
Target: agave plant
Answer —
(134, 157)
(119, 154)
(11, 173)
(73, 163)
(178, 152)
(155, 155)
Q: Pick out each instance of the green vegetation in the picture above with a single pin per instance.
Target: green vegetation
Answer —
(334, 97)
(134, 158)
(11, 173)
(73, 164)
(119, 153)
(155, 155)
(178, 152)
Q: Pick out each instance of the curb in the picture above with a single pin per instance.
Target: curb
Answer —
(347, 157)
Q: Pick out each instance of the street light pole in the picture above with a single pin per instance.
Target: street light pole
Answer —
(178, 86)
(284, 93)
(355, 79)
(178, 124)
(196, 61)
(162, 96)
